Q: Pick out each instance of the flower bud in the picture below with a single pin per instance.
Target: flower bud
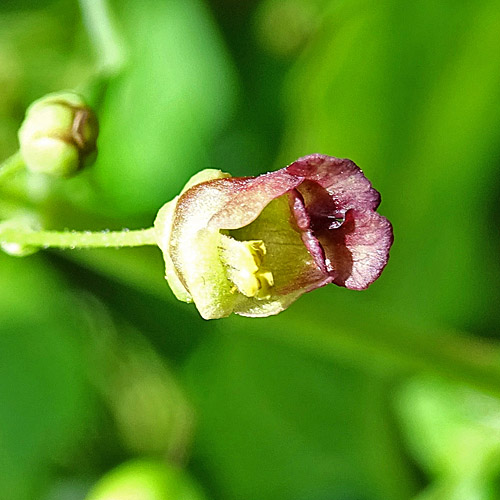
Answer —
(146, 479)
(20, 222)
(253, 245)
(58, 135)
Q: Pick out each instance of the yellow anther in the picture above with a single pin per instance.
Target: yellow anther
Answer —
(243, 260)
(266, 281)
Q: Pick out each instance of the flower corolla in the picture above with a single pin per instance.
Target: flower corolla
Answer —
(253, 245)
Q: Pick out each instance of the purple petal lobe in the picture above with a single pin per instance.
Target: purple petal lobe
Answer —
(311, 242)
(359, 249)
(343, 180)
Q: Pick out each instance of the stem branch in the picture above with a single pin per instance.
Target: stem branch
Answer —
(103, 33)
(11, 165)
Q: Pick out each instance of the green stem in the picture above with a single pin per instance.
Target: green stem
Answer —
(77, 239)
(102, 31)
(108, 45)
(11, 165)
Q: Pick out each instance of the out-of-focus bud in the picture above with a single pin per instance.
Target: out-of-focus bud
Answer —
(253, 245)
(25, 222)
(59, 135)
(146, 480)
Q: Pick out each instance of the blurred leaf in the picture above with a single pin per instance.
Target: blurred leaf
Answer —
(131, 282)
(278, 424)
(148, 406)
(454, 433)
(367, 333)
(44, 406)
(161, 114)
(38, 54)
(282, 28)
(378, 340)
(417, 115)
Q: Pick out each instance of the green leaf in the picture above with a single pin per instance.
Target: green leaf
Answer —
(276, 423)
(416, 114)
(161, 114)
(43, 390)
(453, 432)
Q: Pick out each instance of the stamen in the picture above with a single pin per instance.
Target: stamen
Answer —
(243, 260)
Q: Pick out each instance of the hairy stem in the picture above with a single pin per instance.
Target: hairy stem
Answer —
(77, 239)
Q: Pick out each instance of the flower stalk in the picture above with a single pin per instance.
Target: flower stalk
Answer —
(77, 239)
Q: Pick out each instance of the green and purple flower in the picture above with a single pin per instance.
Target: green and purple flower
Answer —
(253, 245)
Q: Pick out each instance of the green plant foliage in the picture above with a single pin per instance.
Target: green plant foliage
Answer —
(454, 433)
(107, 382)
(418, 116)
(280, 424)
(44, 392)
(174, 94)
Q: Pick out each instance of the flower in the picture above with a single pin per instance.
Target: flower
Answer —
(58, 136)
(253, 245)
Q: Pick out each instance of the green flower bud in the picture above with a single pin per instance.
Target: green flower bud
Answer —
(21, 222)
(58, 135)
(146, 480)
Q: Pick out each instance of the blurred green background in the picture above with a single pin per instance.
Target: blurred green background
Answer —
(111, 390)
